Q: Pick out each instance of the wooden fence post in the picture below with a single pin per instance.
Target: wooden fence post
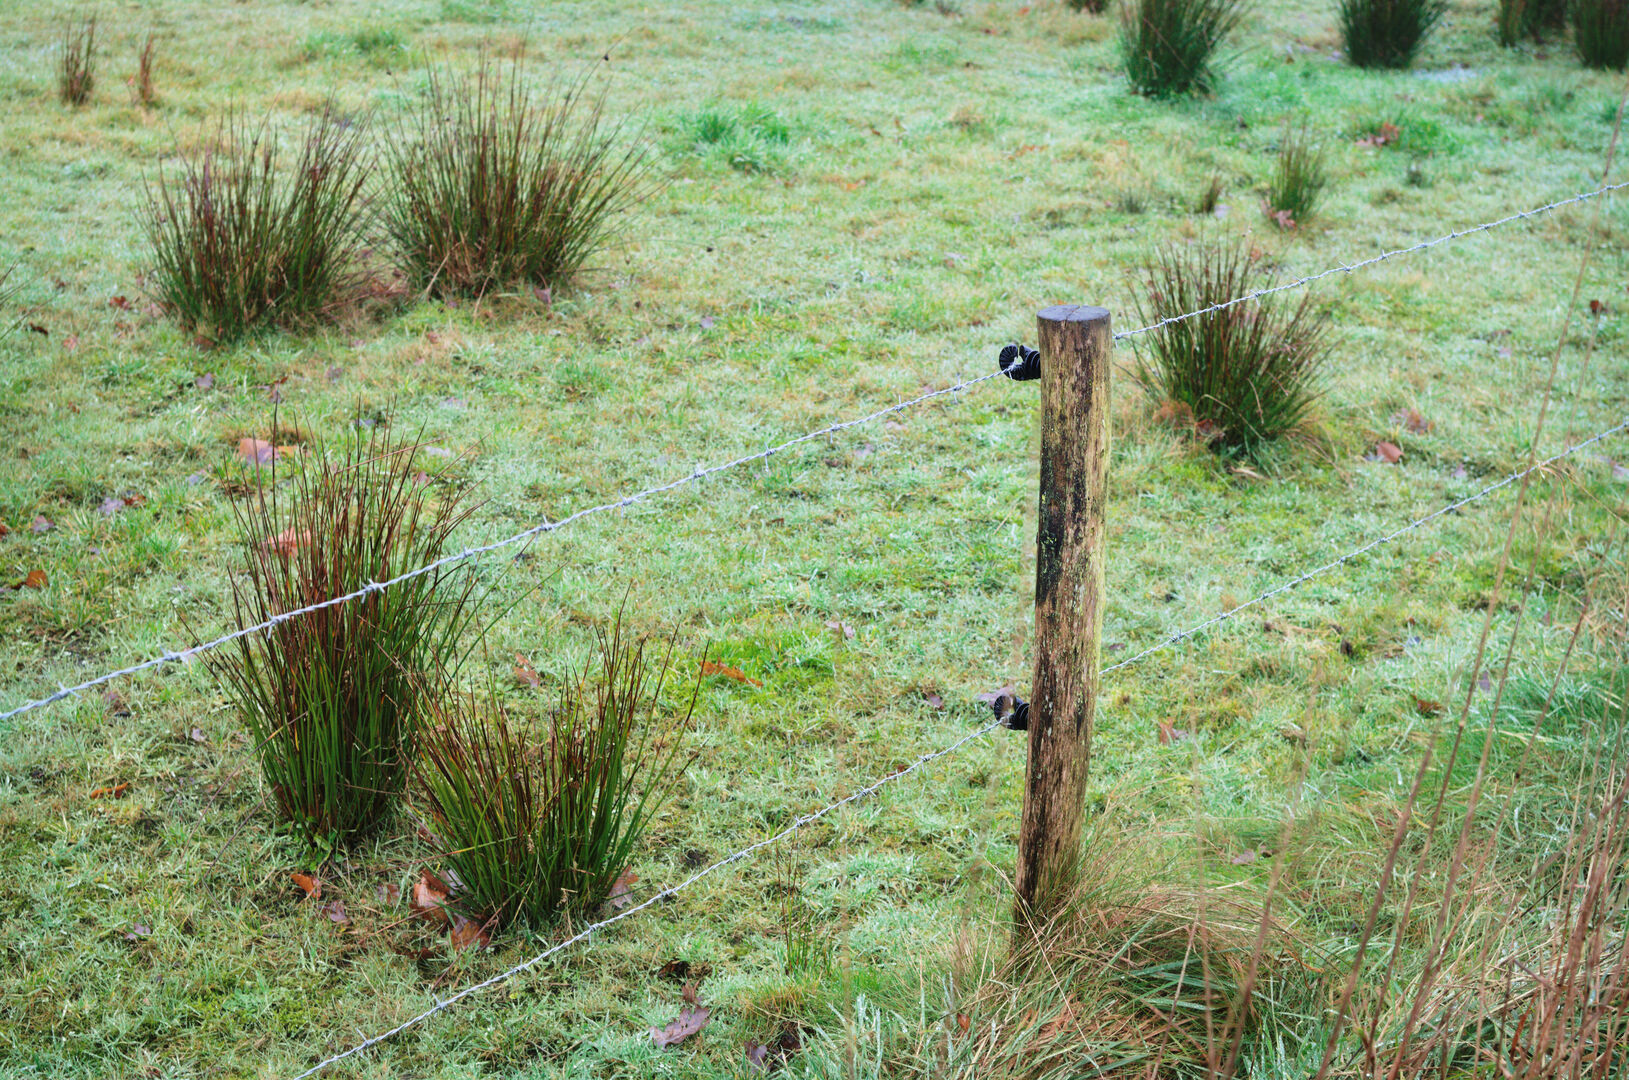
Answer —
(1076, 347)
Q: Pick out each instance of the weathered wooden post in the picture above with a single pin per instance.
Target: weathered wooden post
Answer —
(1076, 350)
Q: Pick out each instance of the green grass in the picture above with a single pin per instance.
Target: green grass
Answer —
(897, 250)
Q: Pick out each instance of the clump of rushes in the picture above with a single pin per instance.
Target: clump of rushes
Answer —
(1246, 374)
(1090, 7)
(76, 77)
(242, 238)
(1518, 19)
(335, 699)
(141, 83)
(490, 183)
(1600, 31)
(1299, 178)
(1168, 45)
(536, 827)
(1387, 33)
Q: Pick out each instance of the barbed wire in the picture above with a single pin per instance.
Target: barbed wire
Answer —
(934, 755)
(1347, 268)
(173, 656)
(592, 928)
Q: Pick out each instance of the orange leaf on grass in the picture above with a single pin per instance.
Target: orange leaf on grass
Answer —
(36, 579)
(525, 673)
(708, 667)
(115, 792)
(622, 891)
(430, 897)
(1390, 453)
(468, 934)
(287, 542)
(308, 885)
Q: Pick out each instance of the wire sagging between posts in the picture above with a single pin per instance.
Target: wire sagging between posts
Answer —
(945, 751)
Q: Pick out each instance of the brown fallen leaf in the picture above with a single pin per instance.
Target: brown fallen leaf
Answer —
(622, 889)
(963, 1022)
(115, 792)
(335, 910)
(1390, 453)
(41, 524)
(1169, 734)
(429, 898)
(389, 895)
(36, 579)
(708, 667)
(308, 885)
(1427, 707)
(525, 673)
(757, 1056)
(1244, 858)
(71, 342)
(5, 530)
(137, 931)
(36, 328)
(197, 735)
(120, 302)
(690, 1021)
(934, 700)
(111, 506)
(287, 542)
(206, 381)
(256, 451)
(468, 934)
(1412, 420)
(841, 627)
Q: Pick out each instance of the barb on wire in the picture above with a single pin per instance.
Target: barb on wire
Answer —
(1008, 709)
(831, 429)
(587, 931)
(1371, 545)
(171, 656)
(1347, 268)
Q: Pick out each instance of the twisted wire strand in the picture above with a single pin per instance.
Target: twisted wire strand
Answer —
(934, 755)
(171, 656)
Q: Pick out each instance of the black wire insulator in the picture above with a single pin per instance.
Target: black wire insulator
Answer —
(1019, 363)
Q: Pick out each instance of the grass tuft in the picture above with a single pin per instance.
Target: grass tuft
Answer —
(76, 75)
(1168, 46)
(489, 183)
(1600, 32)
(1299, 178)
(335, 700)
(240, 240)
(1517, 20)
(533, 829)
(141, 83)
(1387, 33)
(1246, 374)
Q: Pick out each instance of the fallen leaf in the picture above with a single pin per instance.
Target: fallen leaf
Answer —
(990, 697)
(5, 530)
(111, 506)
(197, 735)
(71, 342)
(1283, 219)
(256, 451)
(708, 667)
(36, 328)
(308, 885)
(115, 704)
(120, 302)
(525, 674)
(1412, 420)
(1390, 453)
(544, 294)
(758, 1056)
(1244, 858)
(1427, 707)
(389, 895)
(689, 993)
(1245, 470)
(1484, 683)
(41, 524)
(429, 898)
(136, 932)
(206, 381)
(1169, 734)
(115, 792)
(1596, 307)
(841, 627)
(287, 542)
(335, 910)
(622, 890)
(933, 700)
(963, 1022)
(706, 322)
(689, 1022)
(468, 934)
(36, 579)
(274, 391)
